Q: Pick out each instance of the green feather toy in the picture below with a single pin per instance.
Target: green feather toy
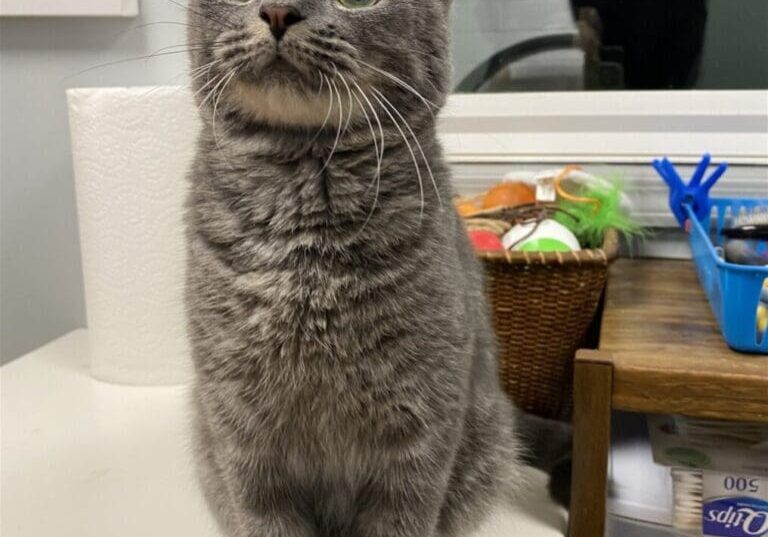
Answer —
(594, 209)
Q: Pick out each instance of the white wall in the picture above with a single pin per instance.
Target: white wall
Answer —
(42, 295)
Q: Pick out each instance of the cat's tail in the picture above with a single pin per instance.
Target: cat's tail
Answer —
(547, 445)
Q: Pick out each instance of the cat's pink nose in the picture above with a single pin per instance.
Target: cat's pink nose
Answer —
(280, 18)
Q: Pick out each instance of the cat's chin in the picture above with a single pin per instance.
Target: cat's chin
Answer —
(285, 105)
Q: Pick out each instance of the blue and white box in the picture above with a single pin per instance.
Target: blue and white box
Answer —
(734, 505)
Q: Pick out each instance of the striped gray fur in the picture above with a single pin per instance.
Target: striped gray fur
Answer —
(346, 383)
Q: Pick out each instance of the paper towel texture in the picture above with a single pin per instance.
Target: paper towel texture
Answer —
(131, 150)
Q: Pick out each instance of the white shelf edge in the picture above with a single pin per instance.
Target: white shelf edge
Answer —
(68, 8)
(607, 127)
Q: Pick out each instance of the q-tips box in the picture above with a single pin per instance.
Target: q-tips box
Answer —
(719, 474)
(734, 505)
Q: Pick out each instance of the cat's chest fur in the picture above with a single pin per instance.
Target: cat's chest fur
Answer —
(310, 316)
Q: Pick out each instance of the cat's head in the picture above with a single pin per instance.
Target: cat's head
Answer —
(306, 63)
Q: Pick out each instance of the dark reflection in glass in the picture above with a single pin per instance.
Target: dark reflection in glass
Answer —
(551, 45)
(650, 44)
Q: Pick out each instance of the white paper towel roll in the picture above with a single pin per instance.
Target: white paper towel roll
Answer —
(132, 149)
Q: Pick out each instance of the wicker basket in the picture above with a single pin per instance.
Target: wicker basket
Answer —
(543, 305)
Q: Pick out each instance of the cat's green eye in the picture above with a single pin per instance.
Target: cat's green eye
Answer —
(357, 4)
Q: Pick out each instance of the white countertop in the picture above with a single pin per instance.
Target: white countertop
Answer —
(81, 458)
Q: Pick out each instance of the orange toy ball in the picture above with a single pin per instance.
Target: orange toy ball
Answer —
(467, 209)
(509, 195)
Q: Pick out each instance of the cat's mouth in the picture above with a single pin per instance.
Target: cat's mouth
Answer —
(281, 64)
(284, 102)
(279, 72)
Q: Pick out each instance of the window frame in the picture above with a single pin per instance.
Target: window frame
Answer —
(626, 127)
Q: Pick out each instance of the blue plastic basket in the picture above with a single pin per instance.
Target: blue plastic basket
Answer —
(733, 290)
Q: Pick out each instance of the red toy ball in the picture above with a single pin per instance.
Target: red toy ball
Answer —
(485, 241)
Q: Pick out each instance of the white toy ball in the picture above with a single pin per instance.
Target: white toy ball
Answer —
(549, 236)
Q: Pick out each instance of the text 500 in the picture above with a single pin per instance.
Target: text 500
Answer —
(741, 484)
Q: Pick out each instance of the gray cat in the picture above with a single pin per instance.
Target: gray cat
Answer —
(346, 378)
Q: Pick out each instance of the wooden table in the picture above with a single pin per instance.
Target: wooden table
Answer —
(660, 352)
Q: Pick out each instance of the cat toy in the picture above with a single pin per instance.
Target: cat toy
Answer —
(593, 207)
(504, 195)
(527, 227)
(580, 214)
(550, 217)
(541, 236)
(534, 229)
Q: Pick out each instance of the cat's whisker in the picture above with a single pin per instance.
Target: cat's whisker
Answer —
(378, 121)
(193, 75)
(202, 70)
(335, 89)
(213, 80)
(184, 46)
(164, 51)
(415, 139)
(316, 42)
(157, 88)
(217, 80)
(410, 149)
(148, 24)
(173, 23)
(399, 81)
(198, 71)
(377, 177)
(125, 60)
(365, 113)
(177, 49)
(228, 80)
(328, 113)
(170, 81)
(190, 46)
(351, 103)
(322, 83)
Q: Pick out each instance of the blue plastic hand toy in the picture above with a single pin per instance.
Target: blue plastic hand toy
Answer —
(694, 193)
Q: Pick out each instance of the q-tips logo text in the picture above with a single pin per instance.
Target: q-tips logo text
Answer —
(736, 517)
(735, 505)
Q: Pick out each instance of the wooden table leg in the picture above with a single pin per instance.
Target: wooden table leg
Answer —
(593, 383)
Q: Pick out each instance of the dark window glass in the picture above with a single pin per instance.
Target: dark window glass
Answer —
(561, 45)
